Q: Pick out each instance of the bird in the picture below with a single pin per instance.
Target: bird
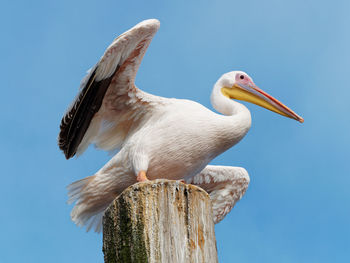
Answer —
(154, 136)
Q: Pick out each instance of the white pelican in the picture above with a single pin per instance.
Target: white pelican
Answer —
(155, 136)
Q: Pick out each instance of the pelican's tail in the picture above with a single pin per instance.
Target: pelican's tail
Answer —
(92, 195)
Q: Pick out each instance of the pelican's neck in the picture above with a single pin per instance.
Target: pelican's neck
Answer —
(225, 105)
(237, 112)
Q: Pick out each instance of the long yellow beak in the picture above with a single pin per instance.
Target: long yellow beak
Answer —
(253, 94)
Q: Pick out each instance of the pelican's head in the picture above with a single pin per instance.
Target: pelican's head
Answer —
(238, 85)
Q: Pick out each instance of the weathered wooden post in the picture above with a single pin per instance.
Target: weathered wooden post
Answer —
(160, 221)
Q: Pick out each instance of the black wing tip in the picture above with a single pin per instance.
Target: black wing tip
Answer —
(68, 154)
(77, 119)
(65, 147)
(66, 151)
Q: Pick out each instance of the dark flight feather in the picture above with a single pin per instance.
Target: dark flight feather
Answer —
(76, 121)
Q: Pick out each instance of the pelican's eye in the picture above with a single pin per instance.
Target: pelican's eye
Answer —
(241, 76)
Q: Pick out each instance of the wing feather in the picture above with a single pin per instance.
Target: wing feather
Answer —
(225, 185)
(77, 120)
(108, 95)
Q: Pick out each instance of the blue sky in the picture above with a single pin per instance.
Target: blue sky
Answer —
(297, 206)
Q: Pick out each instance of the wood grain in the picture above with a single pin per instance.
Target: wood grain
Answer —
(160, 221)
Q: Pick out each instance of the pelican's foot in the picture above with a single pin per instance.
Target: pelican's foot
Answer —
(141, 177)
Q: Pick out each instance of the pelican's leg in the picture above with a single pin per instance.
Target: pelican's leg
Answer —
(225, 186)
(141, 176)
(139, 161)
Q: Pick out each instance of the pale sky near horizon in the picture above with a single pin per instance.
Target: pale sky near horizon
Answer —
(296, 208)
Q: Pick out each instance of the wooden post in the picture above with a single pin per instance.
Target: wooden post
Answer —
(160, 221)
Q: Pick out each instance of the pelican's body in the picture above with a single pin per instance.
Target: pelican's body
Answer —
(162, 149)
(168, 150)
(156, 137)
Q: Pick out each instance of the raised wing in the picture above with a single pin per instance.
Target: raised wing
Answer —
(108, 105)
(225, 185)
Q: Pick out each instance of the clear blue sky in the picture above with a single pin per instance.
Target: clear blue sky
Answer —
(297, 206)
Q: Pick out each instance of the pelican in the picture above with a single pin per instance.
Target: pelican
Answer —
(154, 136)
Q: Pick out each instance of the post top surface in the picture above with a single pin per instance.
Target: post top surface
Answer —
(164, 183)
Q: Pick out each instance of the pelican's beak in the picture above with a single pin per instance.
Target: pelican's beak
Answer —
(251, 93)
